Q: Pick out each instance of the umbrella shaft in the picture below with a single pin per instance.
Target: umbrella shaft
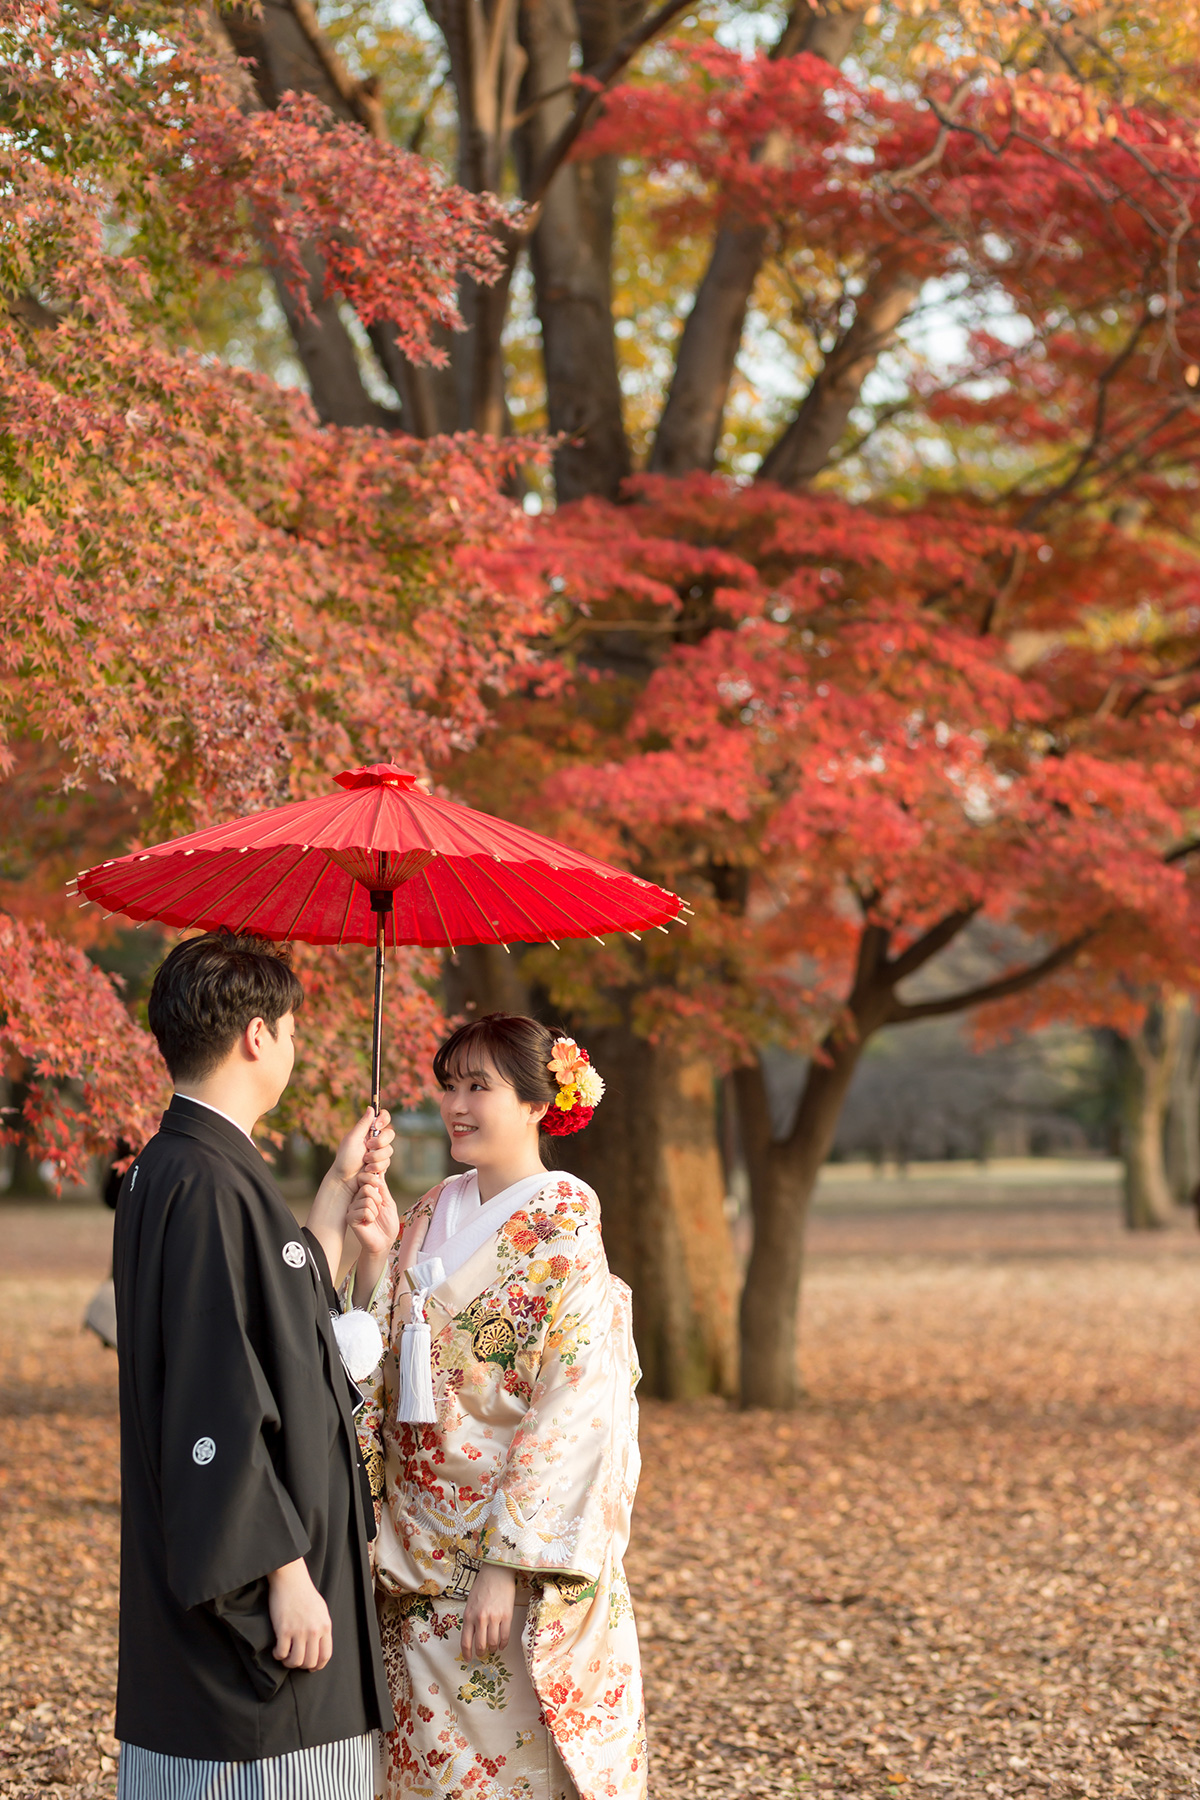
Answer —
(377, 1034)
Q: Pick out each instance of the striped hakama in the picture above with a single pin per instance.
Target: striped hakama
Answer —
(341, 1771)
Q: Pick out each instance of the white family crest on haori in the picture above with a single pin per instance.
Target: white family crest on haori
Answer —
(295, 1255)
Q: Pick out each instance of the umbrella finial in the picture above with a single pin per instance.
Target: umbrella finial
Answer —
(377, 775)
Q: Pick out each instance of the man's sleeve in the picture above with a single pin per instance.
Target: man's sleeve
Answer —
(228, 1519)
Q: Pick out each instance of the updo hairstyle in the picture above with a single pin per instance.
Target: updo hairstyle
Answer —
(519, 1048)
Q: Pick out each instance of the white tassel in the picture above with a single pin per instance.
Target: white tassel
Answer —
(360, 1342)
(416, 1349)
(415, 1405)
(416, 1375)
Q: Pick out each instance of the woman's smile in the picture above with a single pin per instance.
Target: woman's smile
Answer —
(489, 1126)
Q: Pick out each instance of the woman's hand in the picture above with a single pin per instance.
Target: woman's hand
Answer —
(366, 1149)
(373, 1217)
(375, 1223)
(488, 1618)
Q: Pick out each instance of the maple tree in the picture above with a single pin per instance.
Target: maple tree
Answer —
(847, 731)
(209, 603)
(978, 627)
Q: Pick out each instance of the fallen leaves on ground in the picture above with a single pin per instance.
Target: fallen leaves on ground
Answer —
(966, 1567)
(59, 1528)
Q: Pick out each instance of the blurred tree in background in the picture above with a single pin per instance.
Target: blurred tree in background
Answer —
(208, 602)
(863, 574)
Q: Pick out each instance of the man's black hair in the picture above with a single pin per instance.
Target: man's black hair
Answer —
(207, 991)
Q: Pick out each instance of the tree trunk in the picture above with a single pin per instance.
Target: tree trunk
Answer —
(690, 428)
(810, 440)
(23, 1170)
(783, 1173)
(485, 978)
(1183, 1111)
(652, 1155)
(783, 1176)
(1152, 1053)
(571, 252)
(428, 396)
(284, 57)
(327, 352)
(487, 64)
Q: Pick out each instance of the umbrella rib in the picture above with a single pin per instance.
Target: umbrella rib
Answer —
(270, 894)
(173, 876)
(230, 892)
(418, 826)
(437, 907)
(602, 899)
(346, 914)
(513, 900)
(448, 863)
(607, 904)
(322, 872)
(543, 895)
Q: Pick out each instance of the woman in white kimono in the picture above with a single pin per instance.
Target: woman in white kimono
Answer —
(504, 1420)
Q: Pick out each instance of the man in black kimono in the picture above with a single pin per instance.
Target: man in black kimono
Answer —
(248, 1634)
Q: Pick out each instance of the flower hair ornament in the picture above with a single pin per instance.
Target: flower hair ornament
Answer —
(580, 1089)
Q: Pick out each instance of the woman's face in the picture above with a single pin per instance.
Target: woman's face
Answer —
(486, 1122)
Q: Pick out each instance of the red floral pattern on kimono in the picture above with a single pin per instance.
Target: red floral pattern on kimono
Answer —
(532, 1463)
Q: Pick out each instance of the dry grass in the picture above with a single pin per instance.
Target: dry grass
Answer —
(966, 1567)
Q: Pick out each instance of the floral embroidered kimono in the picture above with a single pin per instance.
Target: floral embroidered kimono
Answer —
(532, 1463)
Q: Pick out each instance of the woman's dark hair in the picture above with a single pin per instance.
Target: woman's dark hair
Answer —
(207, 991)
(519, 1048)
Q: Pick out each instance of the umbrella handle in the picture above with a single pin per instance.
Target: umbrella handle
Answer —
(382, 902)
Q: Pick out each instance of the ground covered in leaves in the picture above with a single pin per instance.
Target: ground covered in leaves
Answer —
(967, 1566)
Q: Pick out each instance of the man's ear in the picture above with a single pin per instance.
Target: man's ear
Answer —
(252, 1039)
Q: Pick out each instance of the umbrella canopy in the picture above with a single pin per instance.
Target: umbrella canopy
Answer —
(308, 872)
(381, 862)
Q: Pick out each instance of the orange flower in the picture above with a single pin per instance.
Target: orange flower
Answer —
(567, 1061)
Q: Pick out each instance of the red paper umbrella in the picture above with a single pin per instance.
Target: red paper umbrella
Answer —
(382, 862)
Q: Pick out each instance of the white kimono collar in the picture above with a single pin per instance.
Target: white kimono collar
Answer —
(415, 1402)
(483, 1222)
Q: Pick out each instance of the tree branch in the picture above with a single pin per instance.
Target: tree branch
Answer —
(1099, 417)
(360, 97)
(1016, 983)
(598, 80)
(928, 945)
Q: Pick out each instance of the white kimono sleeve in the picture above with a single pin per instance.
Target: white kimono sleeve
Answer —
(563, 1498)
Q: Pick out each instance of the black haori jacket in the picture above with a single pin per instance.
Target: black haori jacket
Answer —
(238, 1454)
